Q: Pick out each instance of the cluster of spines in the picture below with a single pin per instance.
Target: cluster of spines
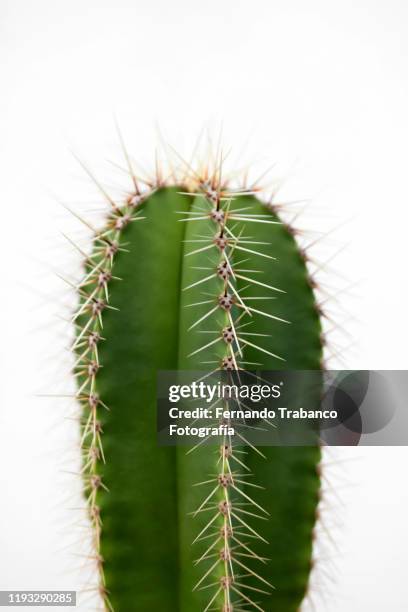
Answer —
(232, 505)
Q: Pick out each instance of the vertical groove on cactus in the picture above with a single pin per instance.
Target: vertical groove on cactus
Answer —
(205, 277)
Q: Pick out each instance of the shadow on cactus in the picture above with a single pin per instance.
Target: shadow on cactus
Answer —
(197, 274)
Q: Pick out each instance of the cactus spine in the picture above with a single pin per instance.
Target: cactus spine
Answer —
(199, 275)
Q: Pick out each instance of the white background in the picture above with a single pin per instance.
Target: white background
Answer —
(319, 87)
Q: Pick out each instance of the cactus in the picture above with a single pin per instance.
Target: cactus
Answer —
(193, 275)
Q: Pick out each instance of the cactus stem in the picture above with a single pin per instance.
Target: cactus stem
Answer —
(229, 305)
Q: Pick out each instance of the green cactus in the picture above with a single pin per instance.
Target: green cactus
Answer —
(196, 275)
